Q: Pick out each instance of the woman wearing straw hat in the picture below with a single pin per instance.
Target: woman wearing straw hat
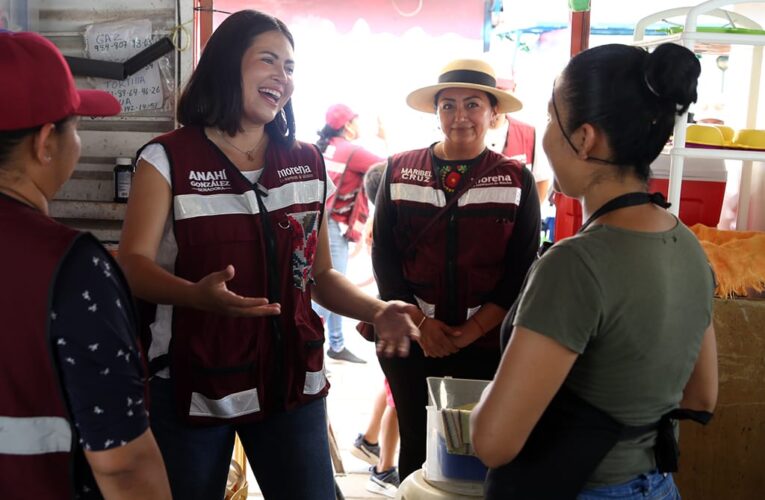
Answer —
(456, 228)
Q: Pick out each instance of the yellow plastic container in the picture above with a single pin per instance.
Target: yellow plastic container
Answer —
(704, 135)
(749, 138)
(727, 133)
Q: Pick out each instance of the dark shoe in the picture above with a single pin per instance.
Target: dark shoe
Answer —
(384, 483)
(370, 453)
(344, 355)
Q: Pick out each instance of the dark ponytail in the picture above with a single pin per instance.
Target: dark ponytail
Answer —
(632, 96)
(326, 134)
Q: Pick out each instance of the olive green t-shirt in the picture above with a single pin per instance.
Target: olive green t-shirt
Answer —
(634, 306)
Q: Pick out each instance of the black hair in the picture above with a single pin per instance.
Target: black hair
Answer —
(213, 96)
(373, 179)
(10, 139)
(632, 96)
(492, 98)
(326, 134)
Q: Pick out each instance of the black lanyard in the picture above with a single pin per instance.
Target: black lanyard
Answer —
(624, 201)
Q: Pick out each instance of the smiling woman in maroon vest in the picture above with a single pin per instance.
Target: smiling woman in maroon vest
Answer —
(56, 401)
(225, 232)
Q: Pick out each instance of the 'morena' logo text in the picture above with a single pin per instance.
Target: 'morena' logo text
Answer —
(206, 182)
(298, 172)
(495, 180)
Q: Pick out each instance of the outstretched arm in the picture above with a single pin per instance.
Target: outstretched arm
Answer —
(148, 208)
(392, 320)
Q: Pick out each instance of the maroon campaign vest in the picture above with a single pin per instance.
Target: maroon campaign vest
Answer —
(37, 440)
(349, 204)
(520, 141)
(228, 369)
(460, 259)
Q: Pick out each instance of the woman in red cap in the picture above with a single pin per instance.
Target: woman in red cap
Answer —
(71, 377)
(224, 232)
(347, 208)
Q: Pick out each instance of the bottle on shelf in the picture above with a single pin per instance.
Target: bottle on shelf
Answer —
(123, 177)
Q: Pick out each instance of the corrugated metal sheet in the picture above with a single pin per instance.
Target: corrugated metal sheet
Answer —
(85, 201)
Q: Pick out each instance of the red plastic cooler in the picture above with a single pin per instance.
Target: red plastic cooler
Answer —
(701, 195)
(702, 192)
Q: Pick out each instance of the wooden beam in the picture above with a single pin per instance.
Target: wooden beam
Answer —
(203, 25)
(580, 31)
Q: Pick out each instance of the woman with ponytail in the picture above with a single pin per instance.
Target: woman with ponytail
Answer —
(587, 395)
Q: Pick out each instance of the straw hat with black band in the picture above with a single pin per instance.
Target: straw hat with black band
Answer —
(467, 74)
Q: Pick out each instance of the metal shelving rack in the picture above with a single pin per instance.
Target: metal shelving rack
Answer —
(689, 38)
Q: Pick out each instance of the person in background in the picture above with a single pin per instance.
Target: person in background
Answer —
(518, 140)
(72, 388)
(347, 208)
(224, 231)
(612, 337)
(377, 444)
(456, 228)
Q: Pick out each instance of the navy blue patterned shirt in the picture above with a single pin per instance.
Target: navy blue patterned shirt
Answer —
(94, 333)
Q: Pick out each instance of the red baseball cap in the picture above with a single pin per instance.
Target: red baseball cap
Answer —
(38, 86)
(338, 115)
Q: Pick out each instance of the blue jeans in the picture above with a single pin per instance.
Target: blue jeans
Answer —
(288, 452)
(653, 486)
(338, 249)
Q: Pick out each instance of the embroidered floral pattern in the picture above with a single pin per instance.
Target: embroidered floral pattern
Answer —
(305, 236)
(451, 176)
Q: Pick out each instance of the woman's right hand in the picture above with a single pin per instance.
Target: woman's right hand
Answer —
(212, 294)
(435, 339)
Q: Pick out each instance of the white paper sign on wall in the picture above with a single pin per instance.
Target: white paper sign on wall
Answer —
(118, 41)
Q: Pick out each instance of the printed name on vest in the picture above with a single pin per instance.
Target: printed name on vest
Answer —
(206, 182)
(298, 172)
(495, 180)
(415, 174)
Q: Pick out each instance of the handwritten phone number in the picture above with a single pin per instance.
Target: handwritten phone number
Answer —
(128, 107)
(135, 92)
(134, 43)
(108, 47)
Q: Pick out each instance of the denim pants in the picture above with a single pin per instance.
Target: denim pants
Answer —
(652, 486)
(338, 249)
(288, 452)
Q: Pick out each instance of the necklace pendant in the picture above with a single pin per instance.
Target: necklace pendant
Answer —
(249, 156)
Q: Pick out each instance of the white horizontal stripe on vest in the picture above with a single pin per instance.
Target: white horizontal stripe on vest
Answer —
(334, 166)
(34, 435)
(314, 382)
(495, 194)
(294, 193)
(400, 191)
(189, 206)
(233, 405)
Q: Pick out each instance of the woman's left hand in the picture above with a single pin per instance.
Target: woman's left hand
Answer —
(394, 327)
